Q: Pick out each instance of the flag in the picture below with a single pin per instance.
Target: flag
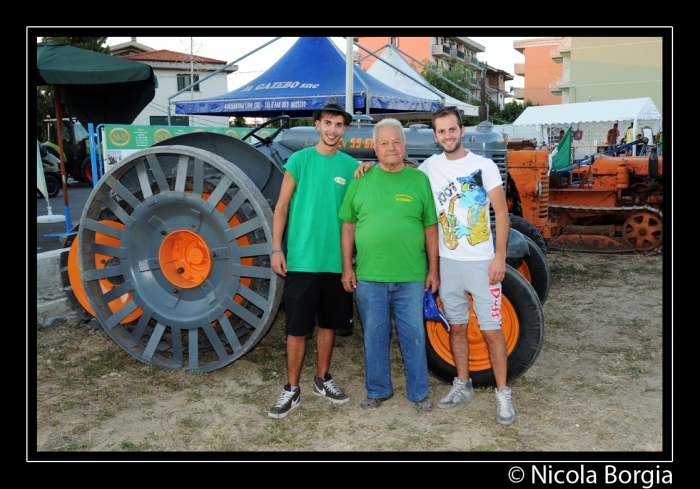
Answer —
(562, 155)
(40, 180)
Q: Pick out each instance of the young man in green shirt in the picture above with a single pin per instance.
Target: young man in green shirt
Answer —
(313, 187)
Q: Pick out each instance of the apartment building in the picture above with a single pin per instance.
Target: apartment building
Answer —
(443, 52)
(539, 70)
(591, 68)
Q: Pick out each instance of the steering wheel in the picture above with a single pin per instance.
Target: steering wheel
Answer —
(268, 139)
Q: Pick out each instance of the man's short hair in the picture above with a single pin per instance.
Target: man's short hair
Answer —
(445, 111)
(615, 124)
(384, 123)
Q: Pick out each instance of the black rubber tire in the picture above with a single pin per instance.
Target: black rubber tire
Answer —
(538, 269)
(53, 184)
(530, 230)
(526, 306)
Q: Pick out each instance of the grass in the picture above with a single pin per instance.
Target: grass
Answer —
(593, 353)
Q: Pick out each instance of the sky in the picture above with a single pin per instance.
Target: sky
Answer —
(499, 52)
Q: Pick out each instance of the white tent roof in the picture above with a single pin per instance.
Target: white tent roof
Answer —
(605, 111)
(414, 84)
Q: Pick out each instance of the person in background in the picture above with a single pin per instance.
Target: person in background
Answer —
(660, 141)
(629, 137)
(561, 135)
(613, 134)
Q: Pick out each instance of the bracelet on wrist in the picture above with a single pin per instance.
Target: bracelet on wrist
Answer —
(276, 251)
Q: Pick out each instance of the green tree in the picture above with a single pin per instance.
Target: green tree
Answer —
(44, 94)
(460, 74)
(97, 44)
(238, 122)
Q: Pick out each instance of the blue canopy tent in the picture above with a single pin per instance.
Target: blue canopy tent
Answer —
(312, 71)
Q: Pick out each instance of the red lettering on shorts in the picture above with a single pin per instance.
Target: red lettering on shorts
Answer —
(495, 309)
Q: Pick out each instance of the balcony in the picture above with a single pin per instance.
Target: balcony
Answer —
(441, 51)
(519, 69)
(556, 55)
(519, 93)
(558, 86)
(455, 53)
(565, 48)
(476, 63)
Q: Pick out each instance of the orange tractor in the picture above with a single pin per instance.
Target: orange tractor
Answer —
(611, 204)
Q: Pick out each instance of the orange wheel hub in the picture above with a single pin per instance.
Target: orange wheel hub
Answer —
(478, 350)
(185, 259)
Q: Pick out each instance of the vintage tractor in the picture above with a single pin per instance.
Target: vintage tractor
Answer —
(604, 204)
(76, 148)
(527, 189)
(612, 205)
(172, 256)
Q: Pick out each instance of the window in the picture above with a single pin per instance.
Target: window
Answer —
(184, 81)
(180, 120)
(159, 120)
(162, 120)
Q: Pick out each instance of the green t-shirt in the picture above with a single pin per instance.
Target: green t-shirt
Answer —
(313, 227)
(391, 212)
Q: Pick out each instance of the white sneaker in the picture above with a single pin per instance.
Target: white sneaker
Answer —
(505, 414)
(461, 391)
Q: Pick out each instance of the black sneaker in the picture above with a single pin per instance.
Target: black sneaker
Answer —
(325, 387)
(287, 401)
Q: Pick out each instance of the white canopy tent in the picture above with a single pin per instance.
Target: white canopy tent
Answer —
(412, 82)
(605, 112)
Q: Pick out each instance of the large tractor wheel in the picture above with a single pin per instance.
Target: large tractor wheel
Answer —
(523, 330)
(530, 230)
(86, 170)
(535, 269)
(174, 258)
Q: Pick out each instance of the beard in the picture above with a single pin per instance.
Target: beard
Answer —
(458, 144)
(331, 145)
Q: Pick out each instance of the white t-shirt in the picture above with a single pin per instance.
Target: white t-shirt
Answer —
(460, 190)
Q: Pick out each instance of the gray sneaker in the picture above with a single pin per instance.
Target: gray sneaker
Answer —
(372, 403)
(505, 414)
(325, 387)
(425, 405)
(461, 391)
(288, 400)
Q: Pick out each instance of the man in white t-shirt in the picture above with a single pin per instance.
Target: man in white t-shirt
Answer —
(463, 186)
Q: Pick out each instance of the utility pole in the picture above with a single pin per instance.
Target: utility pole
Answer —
(191, 68)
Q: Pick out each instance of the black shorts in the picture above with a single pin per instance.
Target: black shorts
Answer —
(308, 295)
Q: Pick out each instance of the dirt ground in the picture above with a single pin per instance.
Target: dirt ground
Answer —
(597, 386)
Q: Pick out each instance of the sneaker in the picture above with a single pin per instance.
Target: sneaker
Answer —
(371, 403)
(288, 400)
(505, 414)
(425, 405)
(325, 387)
(461, 391)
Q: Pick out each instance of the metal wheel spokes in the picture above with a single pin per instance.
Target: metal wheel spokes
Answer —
(191, 247)
(643, 231)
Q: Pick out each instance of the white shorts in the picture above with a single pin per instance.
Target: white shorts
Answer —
(458, 279)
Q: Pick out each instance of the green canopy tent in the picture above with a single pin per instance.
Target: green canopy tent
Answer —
(97, 88)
